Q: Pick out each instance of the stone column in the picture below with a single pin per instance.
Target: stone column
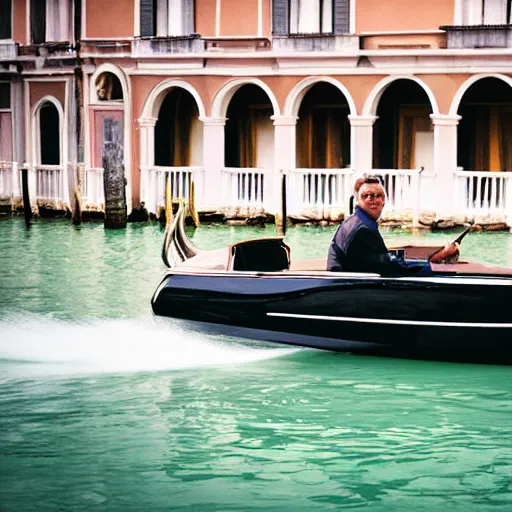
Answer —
(19, 140)
(445, 161)
(32, 186)
(361, 143)
(213, 162)
(114, 181)
(284, 161)
(68, 156)
(147, 160)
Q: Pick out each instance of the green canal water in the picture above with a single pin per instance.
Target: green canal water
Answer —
(105, 408)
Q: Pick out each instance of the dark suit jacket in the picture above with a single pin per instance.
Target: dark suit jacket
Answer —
(358, 246)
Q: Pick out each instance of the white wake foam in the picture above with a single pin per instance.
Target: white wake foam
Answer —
(44, 346)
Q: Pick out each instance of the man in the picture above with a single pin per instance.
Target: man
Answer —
(358, 246)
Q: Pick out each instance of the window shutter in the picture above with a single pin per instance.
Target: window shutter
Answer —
(341, 16)
(38, 21)
(188, 17)
(6, 19)
(147, 18)
(280, 17)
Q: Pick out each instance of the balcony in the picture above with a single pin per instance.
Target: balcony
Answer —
(410, 40)
(315, 42)
(151, 46)
(98, 47)
(8, 50)
(63, 50)
(478, 36)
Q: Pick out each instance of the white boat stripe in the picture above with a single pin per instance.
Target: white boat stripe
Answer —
(392, 321)
(461, 279)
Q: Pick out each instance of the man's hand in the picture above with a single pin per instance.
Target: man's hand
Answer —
(448, 254)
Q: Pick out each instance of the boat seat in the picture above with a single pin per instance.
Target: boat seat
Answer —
(260, 255)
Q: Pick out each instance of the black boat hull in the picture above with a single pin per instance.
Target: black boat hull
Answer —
(452, 314)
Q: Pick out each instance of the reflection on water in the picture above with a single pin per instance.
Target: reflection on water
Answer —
(104, 407)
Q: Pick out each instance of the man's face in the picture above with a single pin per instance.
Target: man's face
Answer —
(371, 199)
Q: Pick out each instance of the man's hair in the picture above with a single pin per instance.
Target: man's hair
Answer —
(366, 178)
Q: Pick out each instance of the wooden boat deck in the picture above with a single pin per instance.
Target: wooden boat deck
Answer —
(217, 261)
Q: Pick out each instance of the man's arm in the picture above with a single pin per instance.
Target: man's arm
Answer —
(448, 254)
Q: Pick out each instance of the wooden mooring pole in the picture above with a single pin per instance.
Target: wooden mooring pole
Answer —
(281, 217)
(114, 180)
(27, 208)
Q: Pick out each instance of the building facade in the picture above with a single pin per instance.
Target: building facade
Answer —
(233, 94)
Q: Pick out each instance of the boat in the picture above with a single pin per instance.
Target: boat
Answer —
(255, 289)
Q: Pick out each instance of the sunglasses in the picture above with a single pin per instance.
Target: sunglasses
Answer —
(376, 195)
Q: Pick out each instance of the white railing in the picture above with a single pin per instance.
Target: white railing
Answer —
(246, 187)
(402, 189)
(154, 179)
(49, 182)
(7, 177)
(93, 188)
(483, 193)
(321, 188)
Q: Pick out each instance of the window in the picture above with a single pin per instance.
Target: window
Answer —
(5, 122)
(49, 133)
(108, 87)
(310, 16)
(166, 18)
(50, 20)
(486, 12)
(6, 19)
(5, 95)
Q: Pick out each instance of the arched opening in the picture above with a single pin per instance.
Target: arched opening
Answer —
(178, 131)
(484, 143)
(49, 134)
(108, 87)
(322, 142)
(403, 134)
(323, 129)
(485, 130)
(249, 132)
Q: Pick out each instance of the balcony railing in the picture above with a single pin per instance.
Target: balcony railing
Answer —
(478, 36)
(150, 46)
(483, 193)
(121, 47)
(315, 42)
(7, 174)
(8, 50)
(246, 187)
(49, 183)
(6, 179)
(401, 186)
(320, 189)
(154, 182)
(93, 188)
(476, 194)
